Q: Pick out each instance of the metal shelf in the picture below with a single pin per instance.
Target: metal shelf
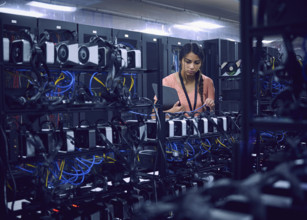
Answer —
(73, 108)
(77, 68)
(273, 123)
(230, 77)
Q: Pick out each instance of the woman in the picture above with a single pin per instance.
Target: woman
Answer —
(194, 89)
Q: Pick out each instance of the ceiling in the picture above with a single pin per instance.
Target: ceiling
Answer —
(152, 12)
(224, 9)
(173, 12)
(218, 9)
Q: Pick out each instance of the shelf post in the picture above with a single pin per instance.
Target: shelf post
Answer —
(242, 152)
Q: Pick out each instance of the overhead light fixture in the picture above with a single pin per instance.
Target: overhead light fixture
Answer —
(21, 12)
(52, 6)
(230, 39)
(267, 41)
(187, 27)
(204, 25)
(154, 31)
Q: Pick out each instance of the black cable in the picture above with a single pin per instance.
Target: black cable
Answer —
(9, 169)
(46, 122)
(219, 129)
(234, 122)
(2, 186)
(159, 129)
(161, 148)
(112, 147)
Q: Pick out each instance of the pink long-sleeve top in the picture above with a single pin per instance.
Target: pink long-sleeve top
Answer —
(208, 91)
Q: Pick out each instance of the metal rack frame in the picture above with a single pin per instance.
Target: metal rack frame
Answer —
(250, 31)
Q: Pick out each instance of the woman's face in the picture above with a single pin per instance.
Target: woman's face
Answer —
(190, 64)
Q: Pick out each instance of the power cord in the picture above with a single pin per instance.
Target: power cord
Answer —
(10, 172)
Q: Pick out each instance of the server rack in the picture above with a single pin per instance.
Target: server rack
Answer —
(15, 23)
(11, 28)
(132, 40)
(61, 32)
(35, 112)
(58, 30)
(88, 209)
(217, 52)
(288, 27)
(150, 57)
(267, 85)
(201, 45)
(173, 47)
(85, 34)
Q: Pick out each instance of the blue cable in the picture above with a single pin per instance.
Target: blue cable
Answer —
(66, 87)
(175, 145)
(51, 171)
(199, 108)
(282, 138)
(83, 176)
(89, 167)
(137, 113)
(67, 173)
(72, 180)
(209, 143)
(61, 92)
(129, 74)
(96, 163)
(90, 84)
(29, 171)
(71, 82)
(74, 177)
(73, 88)
(128, 45)
(202, 150)
(192, 150)
(266, 134)
(176, 149)
(168, 148)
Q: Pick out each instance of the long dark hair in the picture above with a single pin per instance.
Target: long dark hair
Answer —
(193, 47)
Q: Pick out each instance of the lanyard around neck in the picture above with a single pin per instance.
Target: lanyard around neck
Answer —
(185, 91)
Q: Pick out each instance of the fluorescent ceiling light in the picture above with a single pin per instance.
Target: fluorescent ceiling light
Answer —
(21, 12)
(230, 39)
(204, 25)
(187, 27)
(267, 41)
(52, 6)
(154, 31)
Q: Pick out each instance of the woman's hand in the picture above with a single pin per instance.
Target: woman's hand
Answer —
(176, 108)
(210, 103)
